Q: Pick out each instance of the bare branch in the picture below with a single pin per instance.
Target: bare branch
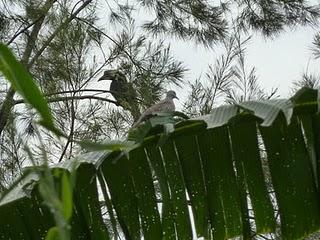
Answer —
(134, 62)
(76, 91)
(60, 99)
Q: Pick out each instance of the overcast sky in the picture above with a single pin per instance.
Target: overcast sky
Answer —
(278, 61)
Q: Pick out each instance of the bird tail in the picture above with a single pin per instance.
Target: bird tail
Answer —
(136, 123)
(135, 111)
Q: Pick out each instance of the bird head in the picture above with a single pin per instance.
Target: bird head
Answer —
(172, 94)
(113, 75)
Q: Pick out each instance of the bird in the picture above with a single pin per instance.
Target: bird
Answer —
(122, 91)
(119, 87)
(165, 105)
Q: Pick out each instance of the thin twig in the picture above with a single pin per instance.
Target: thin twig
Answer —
(114, 41)
(140, 67)
(70, 137)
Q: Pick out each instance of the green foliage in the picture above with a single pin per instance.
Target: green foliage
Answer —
(53, 234)
(216, 160)
(149, 65)
(271, 17)
(206, 25)
(22, 82)
(316, 46)
(161, 122)
(60, 200)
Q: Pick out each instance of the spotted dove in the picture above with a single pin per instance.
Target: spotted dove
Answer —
(165, 105)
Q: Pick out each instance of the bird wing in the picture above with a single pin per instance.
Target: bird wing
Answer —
(158, 107)
(165, 105)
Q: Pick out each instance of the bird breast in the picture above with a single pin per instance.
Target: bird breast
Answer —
(169, 107)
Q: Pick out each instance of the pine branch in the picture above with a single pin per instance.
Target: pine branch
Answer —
(115, 42)
(134, 62)
(54, 34)
(46, 8)
(8, 103)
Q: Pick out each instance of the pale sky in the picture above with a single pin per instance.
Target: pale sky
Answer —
(284, 59)
(278, 61)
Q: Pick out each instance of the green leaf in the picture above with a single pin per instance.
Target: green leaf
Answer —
(292, 178)
(269, 110)
(121, 187)
(164, 119)
(219, 116)
(12, 224)
(87, 197)
(172, 114)
(67, 202)
(177, 187)
(108, 203)
(305, 101)
(305, 95)
(168, 226)
(23, 83)
(212, 172)
(189, 157)
(20, 188)
(95, 158)
(311, 139)
(110, 145)
(145, 192)
(53, 234)
(316, 140)
(138, 133)
(246, 154)
(223, 199)
(168, 129)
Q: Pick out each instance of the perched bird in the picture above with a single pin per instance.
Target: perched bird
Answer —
(122, 91)
(165, 105)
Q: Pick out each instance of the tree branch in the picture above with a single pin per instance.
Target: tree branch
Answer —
(76, 91)
(134, 62)
(70, 137)
(8, 103)
(115, 42)
(60, 99)
(61, 27)
(46, 8)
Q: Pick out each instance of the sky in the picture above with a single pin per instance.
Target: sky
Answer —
(284, 59)
(279, 61)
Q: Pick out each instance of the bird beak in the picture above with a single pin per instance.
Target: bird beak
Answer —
(176, 97)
